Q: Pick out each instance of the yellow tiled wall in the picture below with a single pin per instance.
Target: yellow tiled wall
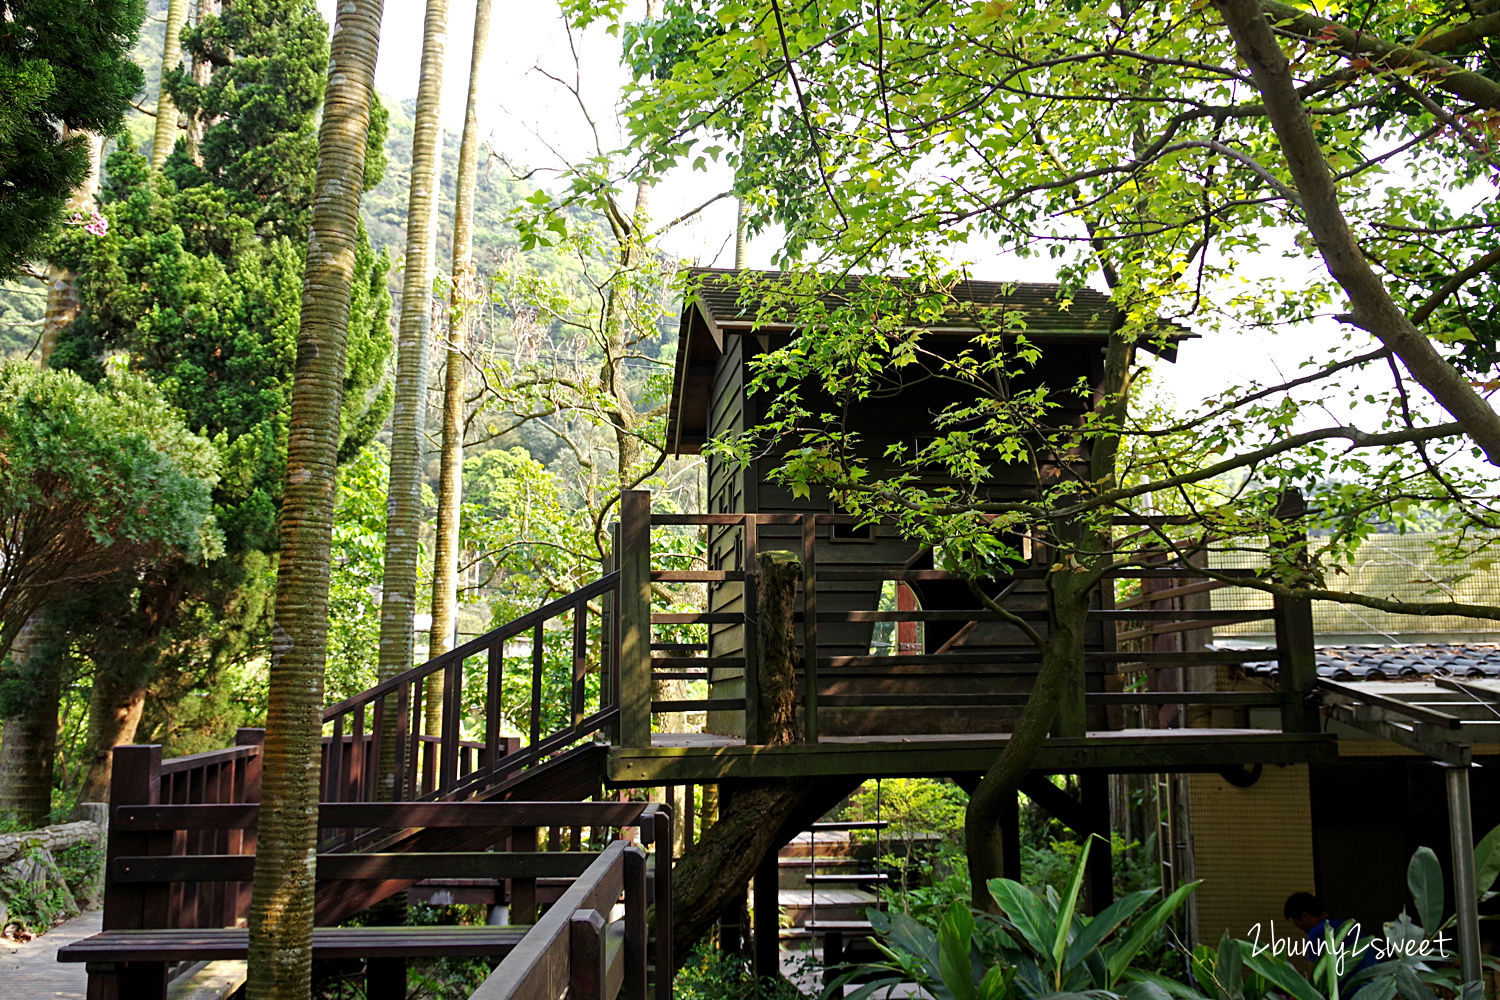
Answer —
(1252, 847)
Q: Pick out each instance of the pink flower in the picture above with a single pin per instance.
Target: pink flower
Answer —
(94, 225)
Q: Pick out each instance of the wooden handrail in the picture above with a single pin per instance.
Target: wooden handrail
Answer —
(540, 965)
(392, 815)
(208, 758)
(478, 644)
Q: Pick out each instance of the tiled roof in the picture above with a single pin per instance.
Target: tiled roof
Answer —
(1395, 662)
(730, 298)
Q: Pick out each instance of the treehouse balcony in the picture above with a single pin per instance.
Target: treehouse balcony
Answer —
(897, 670)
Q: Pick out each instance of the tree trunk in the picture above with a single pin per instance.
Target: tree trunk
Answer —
(114, 715)
(462, 305)
(413, 342)
(1371, 307)
(201, 71)
(166, 111)
(28, 738)
(63, 302)
(281, 908)
(1061, 659)
(758, 818)
(755, 818)
(776, 644)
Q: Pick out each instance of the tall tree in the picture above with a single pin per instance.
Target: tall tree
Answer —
(1129, 143)
(463, 303)
(281, 909)
(398, 600)
(94, 482)
(65, 69)
(197, 286)
(167, 125)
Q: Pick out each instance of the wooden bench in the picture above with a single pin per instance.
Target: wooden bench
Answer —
(132, 964)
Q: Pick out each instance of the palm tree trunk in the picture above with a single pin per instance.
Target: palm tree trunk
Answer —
(413, 342)
(281, 908)
(171, 58)
(462, 304)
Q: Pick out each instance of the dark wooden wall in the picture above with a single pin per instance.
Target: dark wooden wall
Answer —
(901, 415)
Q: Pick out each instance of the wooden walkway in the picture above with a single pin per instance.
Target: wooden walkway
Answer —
(32, 971)
(706, 757)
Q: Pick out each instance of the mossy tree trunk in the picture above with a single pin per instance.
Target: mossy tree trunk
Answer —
(283, 899)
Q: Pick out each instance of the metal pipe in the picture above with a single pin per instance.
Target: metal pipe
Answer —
(1465, 891)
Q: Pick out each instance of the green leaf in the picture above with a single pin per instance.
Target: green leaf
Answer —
(1424, 877)
(1024, 911)
(1281, 975)
(1229, 971)
(1142, 932)
(1103, 924)
(954, 965)
(1068, 905)
(1487, 861)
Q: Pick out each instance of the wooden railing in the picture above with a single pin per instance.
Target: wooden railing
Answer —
(387, 721)
(182, 841)
(646, 656)
(575, 950)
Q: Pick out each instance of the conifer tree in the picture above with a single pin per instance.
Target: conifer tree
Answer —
(198, 282)
(64, 69)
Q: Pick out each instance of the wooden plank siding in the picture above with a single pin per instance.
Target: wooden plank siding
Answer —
(881, 422)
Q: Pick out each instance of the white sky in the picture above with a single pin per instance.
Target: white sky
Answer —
(532, 120)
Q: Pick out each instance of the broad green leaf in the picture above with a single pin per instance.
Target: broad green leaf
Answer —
(1142, 932)
(1424, 877)
(1101, 926)
(994, 985)
(954, 965)
(1487, 861)
(1228, 970)
(1282, 976)
(1025, 912)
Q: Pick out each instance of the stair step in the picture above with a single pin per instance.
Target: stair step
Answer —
(848, 878)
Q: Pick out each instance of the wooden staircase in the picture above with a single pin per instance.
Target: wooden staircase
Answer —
(466, 804)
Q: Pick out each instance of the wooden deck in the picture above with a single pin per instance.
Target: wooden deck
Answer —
(706, 757)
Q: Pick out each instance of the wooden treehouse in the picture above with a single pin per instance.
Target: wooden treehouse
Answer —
(897, 672)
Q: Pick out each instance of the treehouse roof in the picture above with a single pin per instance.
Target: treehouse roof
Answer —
(722, 301)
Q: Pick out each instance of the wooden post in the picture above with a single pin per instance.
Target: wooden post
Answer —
(1465, 887)
(810, 625)
(634, 609)
(662, 956)
(750, 673)
(609, 640)
(775, 669)
(586, 956)
(1010, 836)
(833, 957)
(1297, 670)
(134, 781)
(636, 931)
(1093, 787)
(766, 920)
(523, 890)
(248, 790)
